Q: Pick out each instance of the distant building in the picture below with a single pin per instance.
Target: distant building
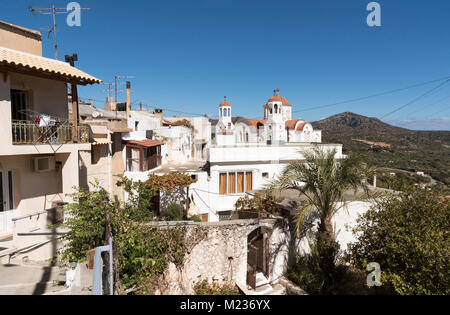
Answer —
(249, 153)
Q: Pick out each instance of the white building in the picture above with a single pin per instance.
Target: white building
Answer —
(250, 153)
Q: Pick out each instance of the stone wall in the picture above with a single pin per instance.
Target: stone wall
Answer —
(218, 253)
(218, 250)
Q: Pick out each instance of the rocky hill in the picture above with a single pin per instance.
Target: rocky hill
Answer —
(385, 145)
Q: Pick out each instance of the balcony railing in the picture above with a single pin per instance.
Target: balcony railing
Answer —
(27, 132)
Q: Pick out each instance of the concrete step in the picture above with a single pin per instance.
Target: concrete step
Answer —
(261, 279)
(30, 279)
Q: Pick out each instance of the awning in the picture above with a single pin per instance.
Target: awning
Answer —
(145, 143)
(99, 141)
(17, 61)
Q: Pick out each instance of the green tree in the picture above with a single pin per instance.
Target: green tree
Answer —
(174, 212)
(408, 235)
(322, 180)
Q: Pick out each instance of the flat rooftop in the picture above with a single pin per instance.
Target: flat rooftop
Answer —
(190, 166)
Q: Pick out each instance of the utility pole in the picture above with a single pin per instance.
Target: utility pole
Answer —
(53, 11)
(74, 92)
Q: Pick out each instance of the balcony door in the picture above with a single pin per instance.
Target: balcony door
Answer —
(6, 201)
(19, 105)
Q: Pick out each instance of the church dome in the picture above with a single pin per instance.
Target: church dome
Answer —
(281, 99)
(277, 98)
(225, 103)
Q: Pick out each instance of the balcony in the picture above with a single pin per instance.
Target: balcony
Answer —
(28, 132)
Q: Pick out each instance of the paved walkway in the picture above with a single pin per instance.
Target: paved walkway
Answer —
(33, 279)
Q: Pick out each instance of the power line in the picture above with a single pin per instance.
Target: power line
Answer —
(415, 100)
(371, 96)
(430, 105)
(440, 111)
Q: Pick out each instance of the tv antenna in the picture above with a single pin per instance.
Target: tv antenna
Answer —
(117, 83)
(52, 11)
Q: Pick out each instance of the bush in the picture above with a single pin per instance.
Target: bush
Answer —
(144, 252)
(408, 235)
(205, 288)
(175, 212)
(86, 224)
(195, 218)
(307, 273)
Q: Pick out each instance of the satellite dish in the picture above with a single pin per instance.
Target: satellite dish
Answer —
(96, 114)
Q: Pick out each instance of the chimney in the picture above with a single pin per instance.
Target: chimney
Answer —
(128, 98)
(158, 113)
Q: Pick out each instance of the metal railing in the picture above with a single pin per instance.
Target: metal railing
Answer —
(97, 287)
(28, 132)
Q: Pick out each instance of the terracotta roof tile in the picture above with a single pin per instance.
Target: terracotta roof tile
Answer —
(25, 61)
(291, 124)
(145, 143)
(300, 126)
(277, 98)
(255, 122)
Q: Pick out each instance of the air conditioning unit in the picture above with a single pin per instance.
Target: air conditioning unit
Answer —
(44, 164)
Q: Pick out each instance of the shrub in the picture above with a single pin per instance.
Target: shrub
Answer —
(408, 235)
(144, 251)
(174, 212)
(85, 223)
(307, 273)
(205, 288)
(195, 218)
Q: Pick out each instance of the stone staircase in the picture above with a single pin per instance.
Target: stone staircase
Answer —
(263, 287)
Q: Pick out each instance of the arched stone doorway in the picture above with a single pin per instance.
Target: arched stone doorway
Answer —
(258, 254)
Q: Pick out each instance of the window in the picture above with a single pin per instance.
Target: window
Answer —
(133, 159)
(248, 181)
(19, 104)
(265, 175)
(276, 108)
(235, 182)
(6, 191)
(231, 183)
(136, 125)
(225, 215)
(223, 183)
(142, 159)
(194, 177)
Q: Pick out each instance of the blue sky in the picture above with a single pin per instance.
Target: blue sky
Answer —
(187, 54)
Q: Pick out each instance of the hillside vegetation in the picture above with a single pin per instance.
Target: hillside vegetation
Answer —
(388, 146)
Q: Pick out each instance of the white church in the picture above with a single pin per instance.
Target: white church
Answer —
(276, 127)
(248, 154)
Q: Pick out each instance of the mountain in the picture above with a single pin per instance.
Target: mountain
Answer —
(385, 145)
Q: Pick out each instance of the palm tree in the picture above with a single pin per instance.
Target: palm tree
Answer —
(322, 180)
